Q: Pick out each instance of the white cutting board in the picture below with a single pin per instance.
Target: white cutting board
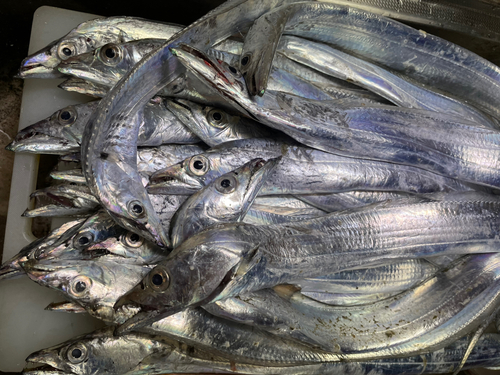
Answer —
(24, 324)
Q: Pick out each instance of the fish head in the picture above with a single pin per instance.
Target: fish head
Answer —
(226, 79)
(95, 285)
(127, 201)
(259, 49)
(212, 125)
(107, 64)
(188, 176)
(194, 273)
(85, 38)
(96, 353)
(58, 133)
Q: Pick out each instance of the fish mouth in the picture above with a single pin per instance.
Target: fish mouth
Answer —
(82, 70)
(9, 271)
(172, 180)
(145, 318)
(41, 64)
(43, 362)
(259, 171)
(37, 139)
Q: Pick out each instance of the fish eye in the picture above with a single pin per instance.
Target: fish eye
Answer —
(67, 116)
(66, 50)
(110, 54)
(77, 353)
(79, 286)
(136, 209)
(198, 165)
(234, 71)
(216, 118)
(159, 279)
(245, 60)
(133, 240)
(226, 184)
(39, 253)
(83, 240)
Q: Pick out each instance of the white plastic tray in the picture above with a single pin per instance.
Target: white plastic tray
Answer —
(24, 324)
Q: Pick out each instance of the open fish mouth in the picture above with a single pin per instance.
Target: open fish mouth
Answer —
(41, 64)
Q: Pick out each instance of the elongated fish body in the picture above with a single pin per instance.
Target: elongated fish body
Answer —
(302, 170)
(226, 200)
(153, 355)
(87, 37)
(110, 166)
(350, 199)
(426, 58)
(348, 299)
(263, 214)
(62, 132)
(449, 146)
(245, 258)
(239, 342)
(390, 86)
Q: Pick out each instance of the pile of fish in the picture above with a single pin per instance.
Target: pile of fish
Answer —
(281, 187)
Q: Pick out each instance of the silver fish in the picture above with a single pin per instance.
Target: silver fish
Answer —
(395, 88)
(102, 353)
(421, 56)
(440, 143)
(302, 170)
(246, 258)
(213, 125)
(226, 200)
(88, 36)
(62, 132)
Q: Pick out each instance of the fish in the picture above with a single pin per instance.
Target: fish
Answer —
(62, 132)
(302, 170)
(103, 354)
(12, 267)
(226, 200)
(394, 88)
(449, 146)
(109, 167)
(213, 125)
(239, 258)
(417, 54)
(88, 36)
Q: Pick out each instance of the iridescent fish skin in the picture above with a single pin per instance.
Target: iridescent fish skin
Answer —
(215, 126)
(139, 354)
(226, 200)
(394, 88)
(423, 57)
(250, 258)
(449, 146)
(303, 170)
(62, 132)
(349, 199)
(87, 37)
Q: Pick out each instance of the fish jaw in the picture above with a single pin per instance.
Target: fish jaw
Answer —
(36, 143)
(173, 180)
(49, 363)
(12, 268)
(41, 64)
(226, 80)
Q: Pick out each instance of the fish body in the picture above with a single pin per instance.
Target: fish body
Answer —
(302, 170)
